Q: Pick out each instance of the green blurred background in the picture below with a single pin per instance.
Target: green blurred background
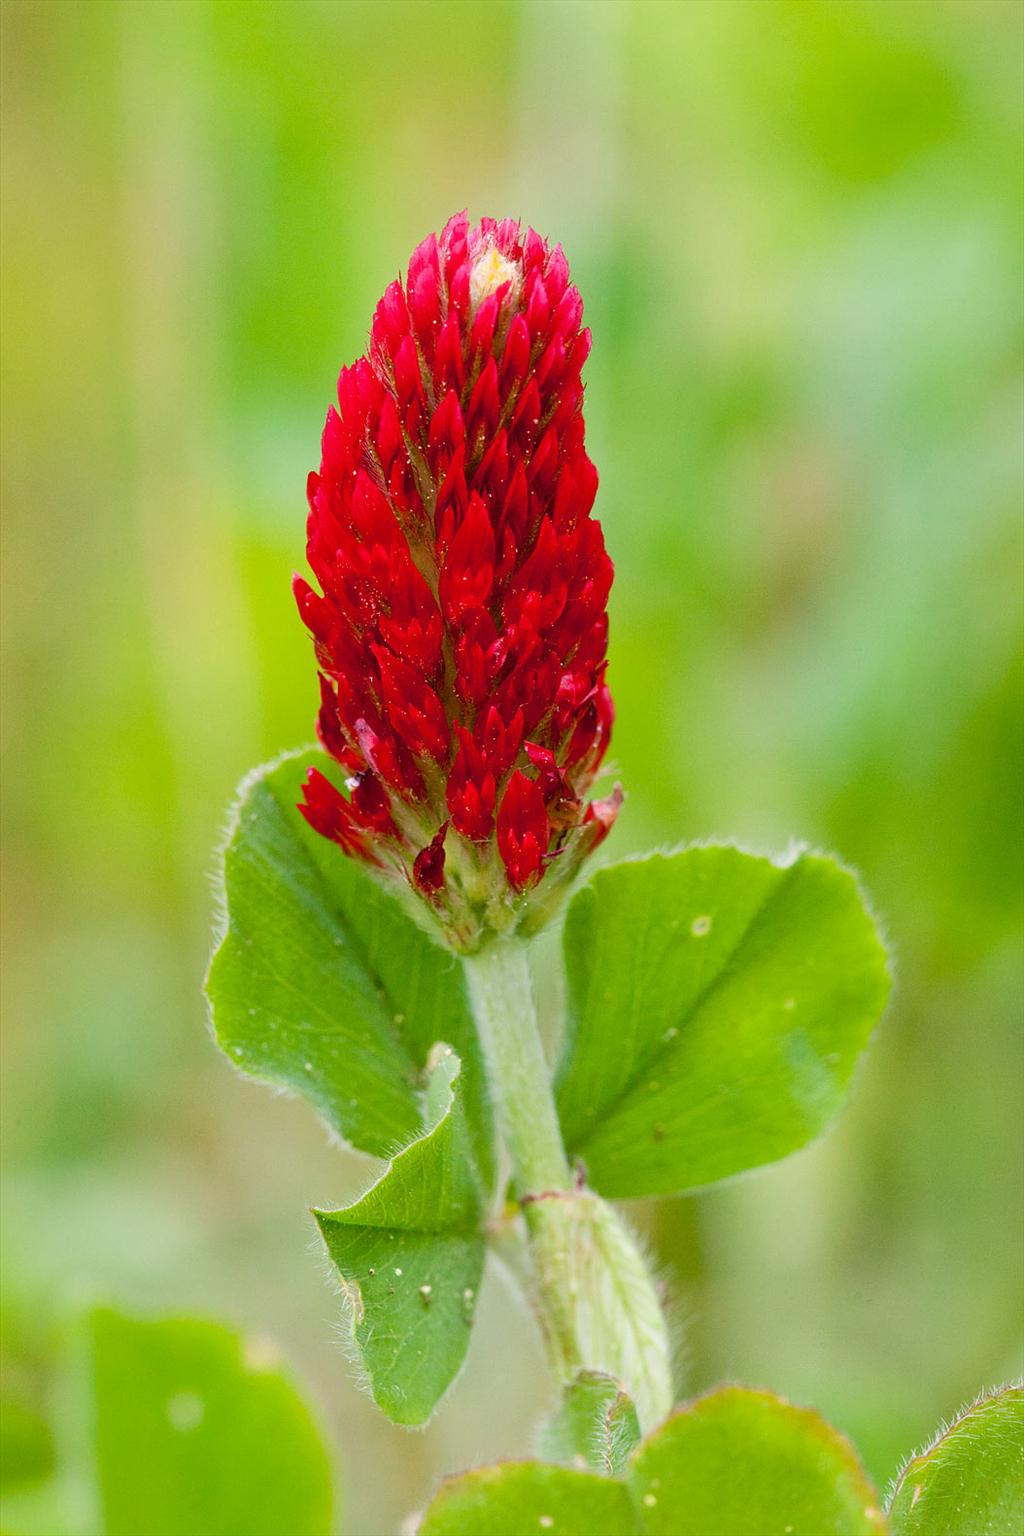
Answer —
(796, 225)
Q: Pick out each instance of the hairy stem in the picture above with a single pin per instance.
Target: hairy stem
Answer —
(590, 1287)
(506, 1020)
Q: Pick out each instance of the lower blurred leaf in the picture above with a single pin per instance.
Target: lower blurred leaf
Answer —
(197, 1432)
(740, 1462)
(737, 1462)
(529, 1496)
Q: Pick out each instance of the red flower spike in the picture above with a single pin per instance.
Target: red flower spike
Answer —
(462, 629)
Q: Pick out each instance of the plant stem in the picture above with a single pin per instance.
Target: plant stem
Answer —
(502, 997)
(593, 1295)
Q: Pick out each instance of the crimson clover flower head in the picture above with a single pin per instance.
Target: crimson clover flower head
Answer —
(462, 629)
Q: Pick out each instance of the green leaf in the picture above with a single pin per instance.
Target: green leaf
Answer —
(410, 1254)
(197, 1430)
(595, 1425)
(744, 1463)
(970, 1480)
(717, 1004)
(734, 1463)
(520, 1498)
(322, 983)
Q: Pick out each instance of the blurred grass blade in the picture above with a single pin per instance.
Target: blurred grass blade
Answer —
(26, 1445)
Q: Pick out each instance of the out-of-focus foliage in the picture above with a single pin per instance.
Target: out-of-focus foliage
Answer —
(175, 1425)
(796, 225)
(196, 1429)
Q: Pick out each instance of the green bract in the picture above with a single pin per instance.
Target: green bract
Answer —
(596, 1423)
(717, 1006)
